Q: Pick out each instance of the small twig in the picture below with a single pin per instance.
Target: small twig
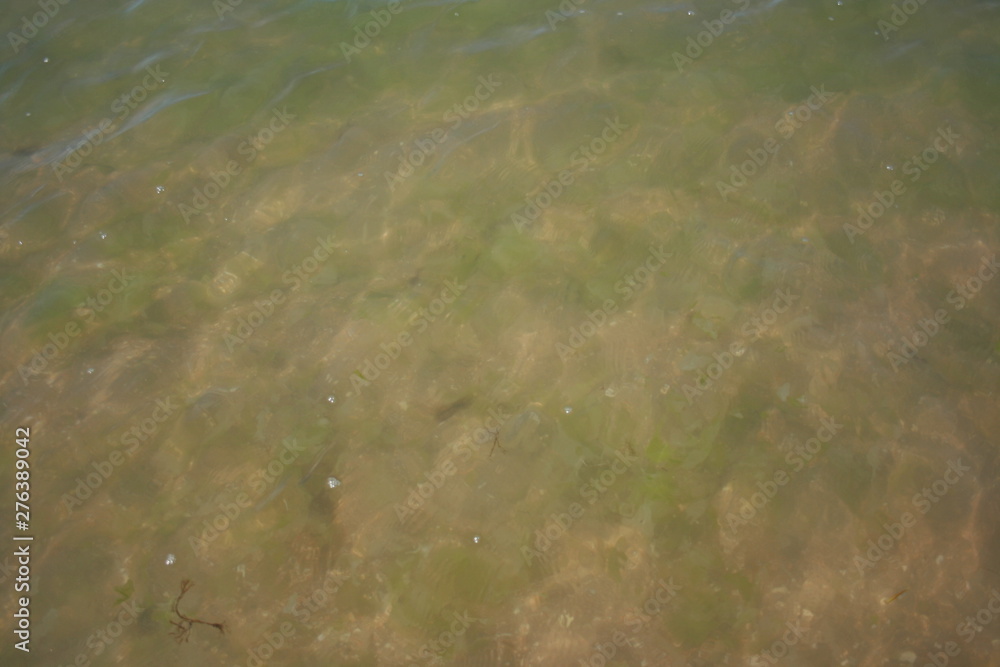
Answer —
(183, 628)
(894, 597)
(496, 442)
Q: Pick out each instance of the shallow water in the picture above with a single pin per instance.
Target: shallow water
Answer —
(623, 333)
